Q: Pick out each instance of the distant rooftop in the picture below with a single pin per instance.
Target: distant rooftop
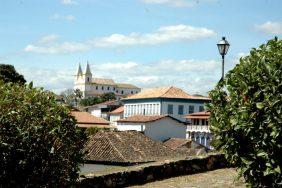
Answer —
(145, 119)
(118, 110)
(86, 120)
(199, 115)
(165, 92)
(124, 147)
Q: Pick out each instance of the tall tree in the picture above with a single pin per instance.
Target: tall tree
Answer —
(246, 117)
(8, 73)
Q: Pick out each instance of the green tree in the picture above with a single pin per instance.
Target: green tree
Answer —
(39, 142)
(8, 73)
(246, 116)
(90, 101)
(108, 97)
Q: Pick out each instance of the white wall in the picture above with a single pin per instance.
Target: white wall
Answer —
(114, 118)
(164, 129)
(125, 91)
(96, 112)
(152, 108)
(124, 126)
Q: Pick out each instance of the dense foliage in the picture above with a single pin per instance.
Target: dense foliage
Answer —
(95, 100)
(39, 143)
(246, 115)
(9, 74)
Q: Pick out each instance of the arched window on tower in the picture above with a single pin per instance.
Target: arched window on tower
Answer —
(88, 79)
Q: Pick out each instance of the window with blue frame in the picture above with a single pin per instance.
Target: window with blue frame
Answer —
(170, 109)
(191, 109)
(180, 109)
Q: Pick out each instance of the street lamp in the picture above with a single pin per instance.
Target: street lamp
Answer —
(223, 46)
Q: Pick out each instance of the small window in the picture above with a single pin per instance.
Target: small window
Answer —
(114, 88)
(108, 88)
(102, 88)
(203, 122)
(180, 109)
(116, 91)
(88, 79)
(121, 92)
(96, 87)
(191, 109)
(170, 109)
(201, 108)
(131, 92)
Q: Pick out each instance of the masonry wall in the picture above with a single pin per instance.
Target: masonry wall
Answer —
(156, 172)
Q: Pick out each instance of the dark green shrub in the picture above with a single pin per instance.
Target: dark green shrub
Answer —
(246, 115)
(39, 143)
(8, 73)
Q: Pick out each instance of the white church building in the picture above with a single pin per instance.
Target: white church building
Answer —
(92, 86)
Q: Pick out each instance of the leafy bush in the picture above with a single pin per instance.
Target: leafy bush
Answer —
(246, 115)
(39, 143)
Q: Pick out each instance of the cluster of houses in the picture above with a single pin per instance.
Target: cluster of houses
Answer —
(166, 114)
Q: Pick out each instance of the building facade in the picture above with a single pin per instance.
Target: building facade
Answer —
(159, 127)
(199, 128)
(163, 101)
(92, 86)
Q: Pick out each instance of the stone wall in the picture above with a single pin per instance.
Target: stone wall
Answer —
(156, 172)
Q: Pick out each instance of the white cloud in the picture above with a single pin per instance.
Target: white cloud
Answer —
(68, 2)
(166, 34)
(57, 16)
(194, 76)
(162, 35)
(118, 65)
(177, 3)
(48, 38)
(58, 80)
(270, 27)
(66, 47)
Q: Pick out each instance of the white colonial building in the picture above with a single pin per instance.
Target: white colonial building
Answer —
(158, 127)
(91, 86)
(163, 101)
(199, 128)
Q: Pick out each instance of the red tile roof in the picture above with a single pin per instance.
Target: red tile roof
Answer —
(185, 146)
(142, 118)
(124, 147)
(175, 143)
(165, 92)
(118, 110)
(199, 115)
(86, 120)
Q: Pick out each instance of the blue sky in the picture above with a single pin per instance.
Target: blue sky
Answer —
(144, 42)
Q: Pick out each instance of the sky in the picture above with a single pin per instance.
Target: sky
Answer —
(148, 43)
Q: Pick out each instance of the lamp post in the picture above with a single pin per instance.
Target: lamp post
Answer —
(223, 46)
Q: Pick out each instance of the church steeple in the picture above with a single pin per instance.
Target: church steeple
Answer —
(87, 70)
(79, 71)
(88, 74)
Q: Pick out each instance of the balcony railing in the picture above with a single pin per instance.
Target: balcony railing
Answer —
(198, 128)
